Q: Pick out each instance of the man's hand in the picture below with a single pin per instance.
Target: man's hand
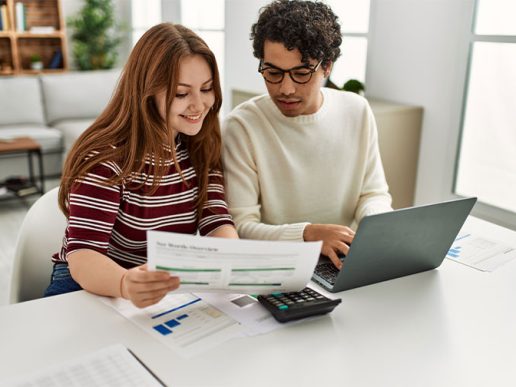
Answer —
(335, 239)
(144, 288)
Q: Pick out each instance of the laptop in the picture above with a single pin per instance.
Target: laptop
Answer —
(395, 244)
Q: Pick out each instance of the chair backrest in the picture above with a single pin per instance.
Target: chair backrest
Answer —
(40, 236)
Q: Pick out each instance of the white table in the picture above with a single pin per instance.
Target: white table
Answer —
(454, 326)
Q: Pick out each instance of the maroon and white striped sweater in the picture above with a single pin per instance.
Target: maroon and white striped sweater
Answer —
(113, 220)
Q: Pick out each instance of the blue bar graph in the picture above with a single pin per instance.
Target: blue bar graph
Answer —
(162, 329)
(177, 308)
(172, 323)
(454, 252)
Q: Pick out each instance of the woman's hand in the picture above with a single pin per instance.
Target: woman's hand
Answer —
(144, 288)
(335, 239)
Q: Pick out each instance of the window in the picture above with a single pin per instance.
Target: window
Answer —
(354, 18)
(486, 165)
(144, 15)
(206, 18)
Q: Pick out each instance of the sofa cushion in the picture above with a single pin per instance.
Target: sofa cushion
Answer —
(71, 130)
(50, 139)
(20, 101)
(73, 95)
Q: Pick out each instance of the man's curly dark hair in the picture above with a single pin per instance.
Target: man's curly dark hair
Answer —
(309, 26)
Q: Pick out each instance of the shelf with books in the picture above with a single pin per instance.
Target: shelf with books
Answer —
(46, 49)
(32, 29)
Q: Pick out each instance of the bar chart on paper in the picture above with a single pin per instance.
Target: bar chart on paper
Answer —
(480, 253)
(184, 322)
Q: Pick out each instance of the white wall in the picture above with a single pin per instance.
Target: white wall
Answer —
(417, 55)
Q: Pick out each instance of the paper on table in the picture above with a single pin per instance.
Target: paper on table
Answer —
(255, 319)
(232, 265)
(183, 322)
(480, 253)
(110, 366)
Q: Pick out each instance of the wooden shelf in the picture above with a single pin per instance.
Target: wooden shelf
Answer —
(32, 35)
(17, 47)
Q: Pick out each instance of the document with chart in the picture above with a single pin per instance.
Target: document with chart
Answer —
(184, 322)
(480, 252)
(206, 264)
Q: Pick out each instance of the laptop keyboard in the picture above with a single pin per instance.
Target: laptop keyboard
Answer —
(327, 271)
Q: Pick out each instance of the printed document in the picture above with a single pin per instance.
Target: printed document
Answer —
(111, 366)
(245, 309)
(479, 252)
(183, 322)
(206, 264)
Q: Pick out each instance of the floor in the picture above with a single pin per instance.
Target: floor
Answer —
(12, 213)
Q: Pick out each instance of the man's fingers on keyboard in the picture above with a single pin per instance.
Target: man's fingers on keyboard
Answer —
(346, 237)
(342, 248)
(335, 259)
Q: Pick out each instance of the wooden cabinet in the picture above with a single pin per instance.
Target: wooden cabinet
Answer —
(41, 34)
(399, 133)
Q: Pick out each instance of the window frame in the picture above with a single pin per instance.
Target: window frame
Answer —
(364, 35)
(482, 210)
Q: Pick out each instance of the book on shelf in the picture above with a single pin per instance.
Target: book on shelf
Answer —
(42, 29)
(27, 191)
(57, 60)
(20, 17)
(5, 17)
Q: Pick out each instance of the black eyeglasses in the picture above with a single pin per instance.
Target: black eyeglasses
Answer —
(299, 74)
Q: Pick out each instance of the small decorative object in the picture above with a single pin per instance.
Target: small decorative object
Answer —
(35, 62)
(355, 86)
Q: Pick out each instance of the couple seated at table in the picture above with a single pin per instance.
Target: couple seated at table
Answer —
(300, 163)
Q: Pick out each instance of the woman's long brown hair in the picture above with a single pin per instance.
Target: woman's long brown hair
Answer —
(131, 127)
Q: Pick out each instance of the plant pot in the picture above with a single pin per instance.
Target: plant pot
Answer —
(36, 66)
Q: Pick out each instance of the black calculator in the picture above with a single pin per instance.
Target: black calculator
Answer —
(295, 305)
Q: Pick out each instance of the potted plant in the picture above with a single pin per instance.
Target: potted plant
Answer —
(95, 37)
(35, 62)
(353, 85)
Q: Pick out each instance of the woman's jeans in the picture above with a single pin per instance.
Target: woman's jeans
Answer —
(61, 281)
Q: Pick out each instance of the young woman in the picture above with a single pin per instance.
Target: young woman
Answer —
(151, 161)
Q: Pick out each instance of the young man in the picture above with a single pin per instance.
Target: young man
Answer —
(302, 163)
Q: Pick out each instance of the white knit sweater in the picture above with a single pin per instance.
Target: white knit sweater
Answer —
(283, 173)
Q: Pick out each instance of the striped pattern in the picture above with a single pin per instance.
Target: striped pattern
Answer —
(113, 220)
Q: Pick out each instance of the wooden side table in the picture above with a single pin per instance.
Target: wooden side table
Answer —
(26, 145)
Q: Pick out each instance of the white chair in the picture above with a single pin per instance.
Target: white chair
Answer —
(40, 236)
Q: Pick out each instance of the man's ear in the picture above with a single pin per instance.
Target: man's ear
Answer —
(327, 69)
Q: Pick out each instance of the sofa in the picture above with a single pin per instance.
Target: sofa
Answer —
(53, 109)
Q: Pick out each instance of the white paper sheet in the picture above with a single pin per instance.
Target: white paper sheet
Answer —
(110, 366)
(232, 265)
(480, 253)
(255, 319)
(183, 322)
